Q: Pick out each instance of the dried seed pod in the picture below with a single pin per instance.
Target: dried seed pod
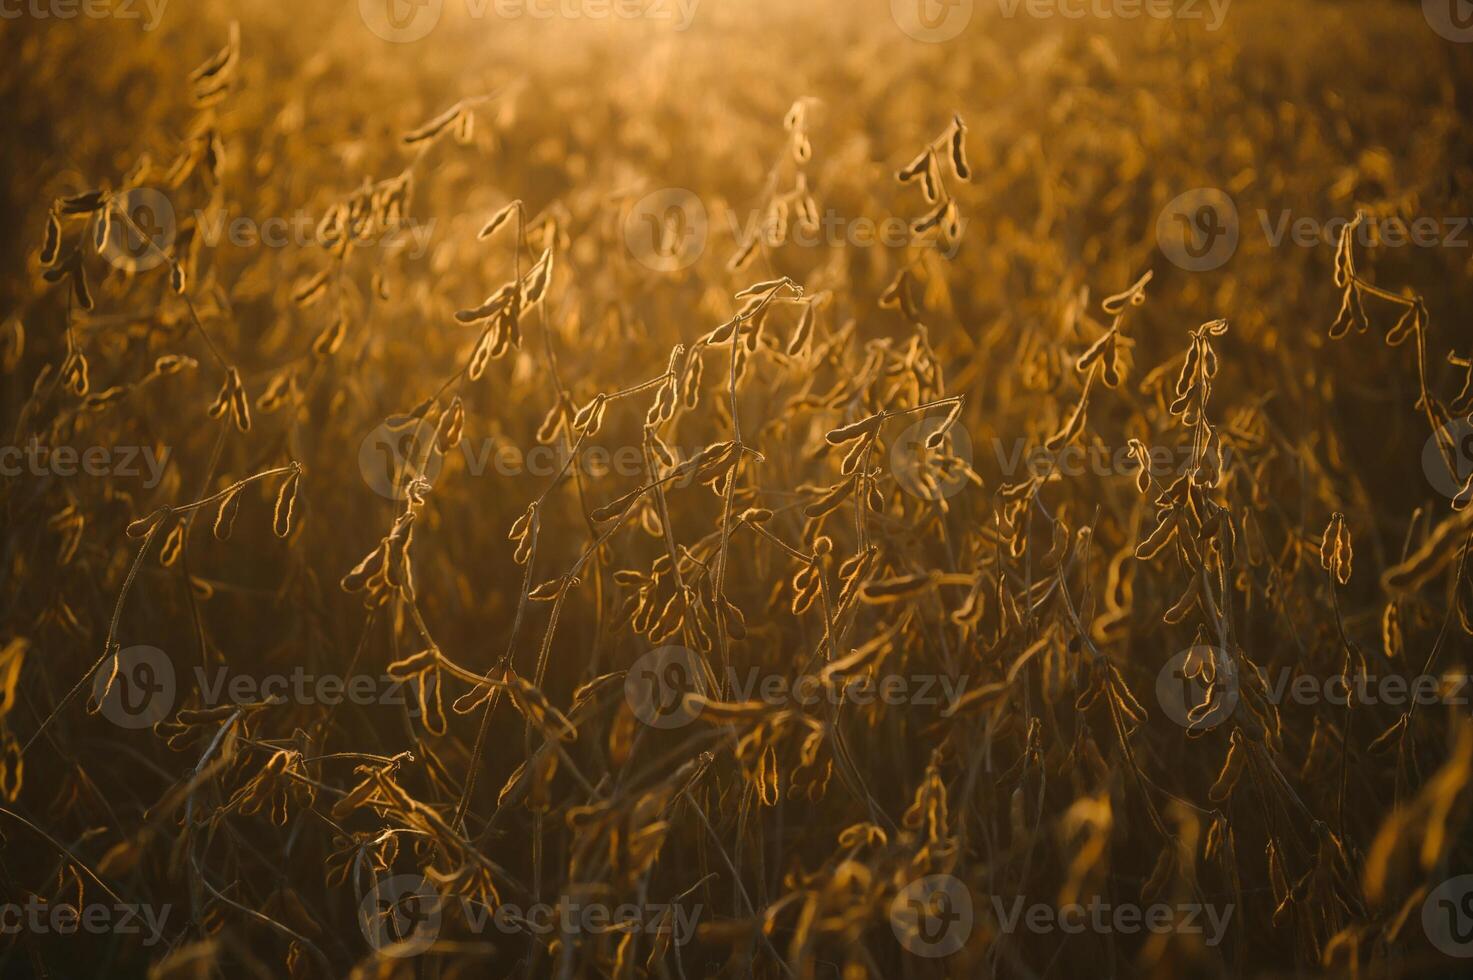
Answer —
(931, 218)
(306, 292)
(144, 525)
(743, 255)
(277, 390)
(481, 356)
(937, 436)
(830, 501)
(492, 306)
(659, 449)
(691, 384)
(330, 339)
(51, 246)
(80, 292)
(723, 333)
(590, 415)
(1232, 768)
(98, 401)
(173, 545)
(916, 168)
(286, 500)
(803, 333)
(875, 499)
(168, 364)
(240, 407)
(74, 374)
(498, 219)
(854, 430)
(225, 516)
(1071, 428)
(896, 589)
(371, 565)
(762, 288)
(551, 589)
(435, 126)
(959, 165)
(1335, 549)
(535, 283)
(451, 426)
(616, 507)
(856, 455)
(1391, 637)
(732, 620)
(84, 203)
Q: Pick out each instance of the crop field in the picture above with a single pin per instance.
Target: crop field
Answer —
(723, 488)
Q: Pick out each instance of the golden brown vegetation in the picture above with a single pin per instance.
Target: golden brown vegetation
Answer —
(821, 437)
